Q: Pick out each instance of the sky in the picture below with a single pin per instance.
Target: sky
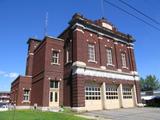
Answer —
(22, 19)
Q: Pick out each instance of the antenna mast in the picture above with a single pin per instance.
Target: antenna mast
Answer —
(102, 8)
(46, 25)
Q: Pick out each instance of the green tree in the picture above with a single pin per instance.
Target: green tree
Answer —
(150, 83)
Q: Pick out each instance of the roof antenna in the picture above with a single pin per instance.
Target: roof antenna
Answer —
(46, 24)
(102, 8)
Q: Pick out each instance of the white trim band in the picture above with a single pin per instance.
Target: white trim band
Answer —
(98, 73)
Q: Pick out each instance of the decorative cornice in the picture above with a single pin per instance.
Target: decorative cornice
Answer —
(100, 33)
(81, 69)
(77, 29)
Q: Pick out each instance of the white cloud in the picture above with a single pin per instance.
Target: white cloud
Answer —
(8, 74)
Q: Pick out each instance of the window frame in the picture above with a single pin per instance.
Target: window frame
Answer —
(67, 55)
(112, 92)
(91, 53)
(92, 93)
(109, 54)
(26, 95)
(127, 92)
(55, 57)
(55, 84)
(123, 60)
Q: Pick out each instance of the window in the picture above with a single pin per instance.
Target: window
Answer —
(67, 55)
(92, 93)
(91, 52)
(109, 57)
(111, 92)
(55, 57)
(56, 97)
(127, 92)
(26, 95)
(123, 58)
(51, 96)
(53, 84)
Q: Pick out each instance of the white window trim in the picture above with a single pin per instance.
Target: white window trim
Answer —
(93, 92)
(54, 84)
(92, 61)
(110, 65)
(67, 55)
(109, 56)
(112, 91)
(91, 53)
(24, 95)
(55, 57)
(127, 92)
(124, 61)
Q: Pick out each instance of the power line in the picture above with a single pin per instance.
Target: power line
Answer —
(140, 19)
(155, 21)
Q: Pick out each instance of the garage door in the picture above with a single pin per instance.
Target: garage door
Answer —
(93, 97)
(112, 97)
(128, 98)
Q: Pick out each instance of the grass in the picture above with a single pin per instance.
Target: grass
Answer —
(38, 115)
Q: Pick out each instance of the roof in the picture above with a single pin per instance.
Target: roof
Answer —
(35, 39)
(4, 92)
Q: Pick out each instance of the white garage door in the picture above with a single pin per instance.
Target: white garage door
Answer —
(112, 97)
(128, 98)
(93, 97)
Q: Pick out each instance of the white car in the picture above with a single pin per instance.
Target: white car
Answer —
(4, 108)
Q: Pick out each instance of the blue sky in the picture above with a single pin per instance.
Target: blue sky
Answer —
(21, 19)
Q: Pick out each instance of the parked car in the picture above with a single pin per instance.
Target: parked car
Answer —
(154, 102)
(3, 107)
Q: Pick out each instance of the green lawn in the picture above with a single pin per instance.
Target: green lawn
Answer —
(38, 115)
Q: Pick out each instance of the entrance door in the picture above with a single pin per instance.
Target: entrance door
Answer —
(54, 94)
(54, 99)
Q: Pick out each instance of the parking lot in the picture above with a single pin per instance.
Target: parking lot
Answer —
(126, 114)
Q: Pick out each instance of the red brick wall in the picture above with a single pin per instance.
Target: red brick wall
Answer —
(44, 71)
(32, 45)
(80, 51)
(38, 74)
(17, 90)
(54, 72)
(78, 94)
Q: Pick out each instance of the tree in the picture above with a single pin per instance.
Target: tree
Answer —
(150, 83)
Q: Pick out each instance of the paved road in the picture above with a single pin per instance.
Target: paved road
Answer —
(126, 114)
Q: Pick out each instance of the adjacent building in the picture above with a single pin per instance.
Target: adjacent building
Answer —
(89, 66)
(4, 97)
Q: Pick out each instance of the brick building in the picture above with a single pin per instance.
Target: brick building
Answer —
(89, 66)
(4, 97)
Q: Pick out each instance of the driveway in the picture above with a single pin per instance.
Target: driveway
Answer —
(126, 114)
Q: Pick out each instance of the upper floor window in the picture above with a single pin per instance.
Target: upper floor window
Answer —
(109, 57)
(26, 95)
(55, 57)
(53, 84)
(123, 58)
(91, 52)
(67, 55)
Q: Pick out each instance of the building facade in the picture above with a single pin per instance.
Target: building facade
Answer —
(89, 66)
(4, 97)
